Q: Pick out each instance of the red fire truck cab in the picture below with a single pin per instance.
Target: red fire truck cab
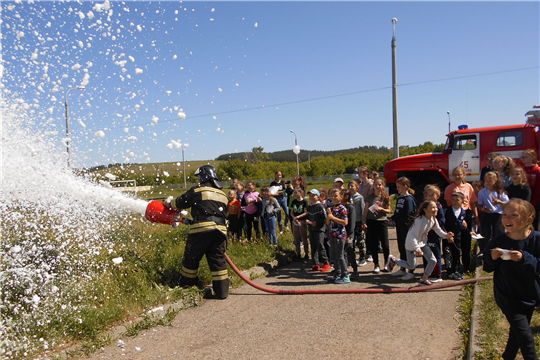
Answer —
(468, 148)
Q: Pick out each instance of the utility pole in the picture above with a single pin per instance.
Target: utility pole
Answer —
(394, 91)
(184, 145)
(296, 150)
(448, 112)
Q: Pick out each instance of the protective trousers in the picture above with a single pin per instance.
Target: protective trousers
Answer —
(211, 244)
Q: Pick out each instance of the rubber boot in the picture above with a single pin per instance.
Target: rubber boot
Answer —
(221, 288)
(186, 282)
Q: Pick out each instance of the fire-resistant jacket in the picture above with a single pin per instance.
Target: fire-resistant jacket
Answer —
(208, 208)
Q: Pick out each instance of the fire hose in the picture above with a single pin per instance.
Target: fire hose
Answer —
(387, 290)
(158, 212)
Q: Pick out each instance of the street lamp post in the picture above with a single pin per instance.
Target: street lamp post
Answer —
(68, 133)
(184, 145)
(394, 92)
(296, 151)
(448, 112)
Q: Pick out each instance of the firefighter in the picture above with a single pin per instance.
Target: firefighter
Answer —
(208, 232)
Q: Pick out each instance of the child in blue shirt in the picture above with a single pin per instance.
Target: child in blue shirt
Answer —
(491, 199)
(316, 220)
(336, 222)
(350, 253)
(403, 217)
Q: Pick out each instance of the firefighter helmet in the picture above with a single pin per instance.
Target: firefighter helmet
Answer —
(207, 173)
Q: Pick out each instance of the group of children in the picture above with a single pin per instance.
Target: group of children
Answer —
(357, 218)
(250, 210)
(500, 207)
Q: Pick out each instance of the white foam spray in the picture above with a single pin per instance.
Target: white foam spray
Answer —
(54, 223)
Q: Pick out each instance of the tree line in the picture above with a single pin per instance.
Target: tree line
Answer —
(343, 162)
(261, 165)
(305, 155)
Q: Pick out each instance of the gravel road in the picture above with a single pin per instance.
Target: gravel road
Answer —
(255, 325)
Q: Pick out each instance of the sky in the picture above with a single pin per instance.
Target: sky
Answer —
(225, 77)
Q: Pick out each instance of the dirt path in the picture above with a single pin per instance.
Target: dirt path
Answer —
(254, 325)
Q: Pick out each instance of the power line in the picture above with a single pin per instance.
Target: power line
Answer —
(469, 76)
(285, 103)
(347, 94)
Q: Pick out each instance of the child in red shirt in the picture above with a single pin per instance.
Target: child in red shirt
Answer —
(530, 160)
(233, 215)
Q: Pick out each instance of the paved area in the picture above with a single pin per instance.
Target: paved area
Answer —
(254, 325)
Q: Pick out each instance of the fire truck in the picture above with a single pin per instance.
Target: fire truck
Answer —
(467, 148)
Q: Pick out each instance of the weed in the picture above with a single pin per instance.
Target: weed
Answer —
(88, 347)
(491, 334)
(147, 277)
(465, 308)
(149, 321)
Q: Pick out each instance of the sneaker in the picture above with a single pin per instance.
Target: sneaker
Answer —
(455, 276)
(407, 276)
(346, 279)
(399, 273)
(435, 279)
(391, 263)
(376, 270)
(333, 279)
(362, 262)
(355, 275)
(425, 282)
(306, 257)
(281, 233)
(316, 268)
(370, 258)
(340, 281)
(326, 268)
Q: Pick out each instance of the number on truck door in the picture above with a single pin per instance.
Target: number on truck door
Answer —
(466, 153)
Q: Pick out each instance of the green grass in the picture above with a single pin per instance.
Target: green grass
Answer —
(160, 193)
(466, 306)
(146, 278)
(172, 167)
(149, 322)
(491, 334)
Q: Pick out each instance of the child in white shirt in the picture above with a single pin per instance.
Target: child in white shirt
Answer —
(416, 242)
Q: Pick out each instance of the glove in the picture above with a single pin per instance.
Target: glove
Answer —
(179, 218)
(169, 202)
